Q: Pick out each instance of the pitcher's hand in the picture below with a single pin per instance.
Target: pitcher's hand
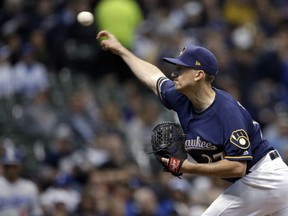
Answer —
(110, 42)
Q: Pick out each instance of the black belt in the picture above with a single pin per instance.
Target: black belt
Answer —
(274, 154)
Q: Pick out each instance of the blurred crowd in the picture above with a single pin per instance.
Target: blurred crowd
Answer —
(82, 121)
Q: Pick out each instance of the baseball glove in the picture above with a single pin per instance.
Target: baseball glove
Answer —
(168, 142)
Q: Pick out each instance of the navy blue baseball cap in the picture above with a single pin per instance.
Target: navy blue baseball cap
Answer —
(196, 57)
(11, 157)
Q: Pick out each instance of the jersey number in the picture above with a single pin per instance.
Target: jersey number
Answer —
(215, 157)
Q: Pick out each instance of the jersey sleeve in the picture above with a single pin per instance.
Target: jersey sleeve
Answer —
(237, 144)
(167, 93)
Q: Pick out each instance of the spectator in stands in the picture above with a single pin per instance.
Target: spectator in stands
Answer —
(18, 196)
(81, 116)
(29, 76)
(277, 133)
(60, 198)
(39, 114)
(6, 87)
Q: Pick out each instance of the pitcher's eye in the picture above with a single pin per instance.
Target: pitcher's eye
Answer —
(180, 69)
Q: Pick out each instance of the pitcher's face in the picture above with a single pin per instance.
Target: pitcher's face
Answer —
(183, 78)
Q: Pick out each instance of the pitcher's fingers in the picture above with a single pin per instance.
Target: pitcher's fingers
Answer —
(102, 34)
(105, 47)
(165, 160)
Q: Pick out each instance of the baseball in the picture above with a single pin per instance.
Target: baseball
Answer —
(85, 18)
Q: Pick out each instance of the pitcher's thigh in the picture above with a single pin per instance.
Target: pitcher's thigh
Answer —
(239, 200)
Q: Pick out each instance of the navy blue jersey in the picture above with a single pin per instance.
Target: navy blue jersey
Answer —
(224, 130)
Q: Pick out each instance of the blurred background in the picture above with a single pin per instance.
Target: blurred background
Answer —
(83, 121)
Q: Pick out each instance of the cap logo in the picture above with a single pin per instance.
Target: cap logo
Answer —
(182, 51)
(197, 63)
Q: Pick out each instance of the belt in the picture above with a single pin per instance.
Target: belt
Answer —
(270, 156)
(274, 154)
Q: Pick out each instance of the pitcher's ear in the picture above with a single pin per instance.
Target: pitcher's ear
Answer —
(200, 74)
